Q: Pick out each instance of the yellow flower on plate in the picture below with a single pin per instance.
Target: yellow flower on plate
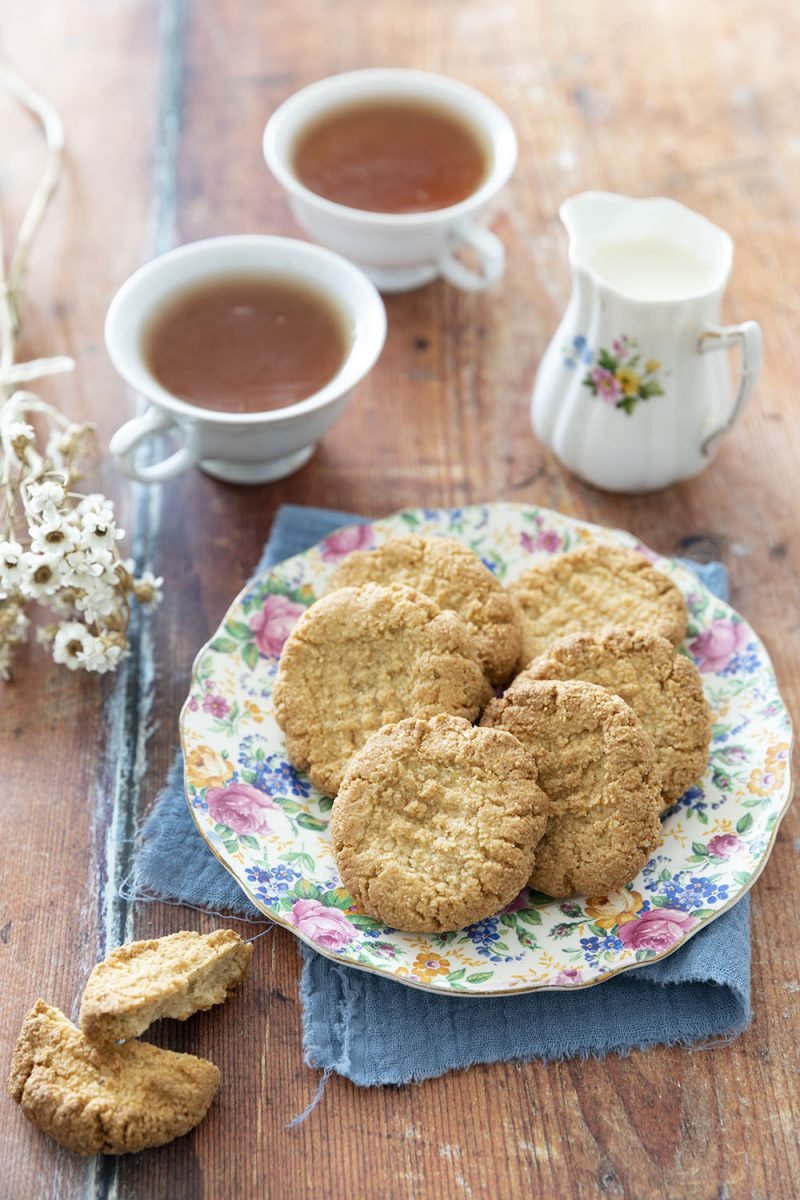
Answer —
(206, 768)
(608, 911)
(764, 783)
(254, 711)
(629, 380)
(651, 365)
(427, 966)
(778, 760)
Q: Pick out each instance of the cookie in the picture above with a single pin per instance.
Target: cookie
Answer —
(662, 687)
(105, 1099)
(365, 657)
(590, 588)
(436, 823)
(173, 976)
(455, 578)
(597, 767)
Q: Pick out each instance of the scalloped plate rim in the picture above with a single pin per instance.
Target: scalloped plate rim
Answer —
(609, 533)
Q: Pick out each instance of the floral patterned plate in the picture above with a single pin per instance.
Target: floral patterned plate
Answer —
(269, 826)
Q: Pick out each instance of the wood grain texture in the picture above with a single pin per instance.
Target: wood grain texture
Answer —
(164, 105)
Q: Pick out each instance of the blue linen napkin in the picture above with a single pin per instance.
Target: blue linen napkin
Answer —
(376, 1031)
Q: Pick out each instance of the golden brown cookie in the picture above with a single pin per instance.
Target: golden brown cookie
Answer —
(436, 823)
(597, 767)
(662, 687)
(105, 1099)
(589, 588)
(365, 657)
(455, 578)
(173, 976)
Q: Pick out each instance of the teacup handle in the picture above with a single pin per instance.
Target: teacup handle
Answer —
(490, 252)
(749, 339)
(127, 440)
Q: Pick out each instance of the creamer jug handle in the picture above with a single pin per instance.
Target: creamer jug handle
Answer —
(749, 339)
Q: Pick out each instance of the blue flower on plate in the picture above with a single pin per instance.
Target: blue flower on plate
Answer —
(271, 773)
(745, 663)
(596, 945)
(698, 892)
(257, 874)
(483, 934)
(279, 879)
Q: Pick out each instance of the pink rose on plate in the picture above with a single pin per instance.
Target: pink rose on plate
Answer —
(520, 901)
(345, 541)
(241, 807)
(723, 845)
(272, 626)
(546, 539)
(568, 977)
(328, 927)
(657, 929)
(715, 647)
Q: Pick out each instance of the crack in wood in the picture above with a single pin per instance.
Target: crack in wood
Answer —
(128, 711)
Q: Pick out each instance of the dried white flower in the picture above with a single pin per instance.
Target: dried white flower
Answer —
(69, 644)
(13, 632)
(44, 574)
(82, 565)
(98, 528)
(20, 433)
(147, 588)
(12, 569)
(96, 601)
(102, 654)
(91, 501)
(53, 534)
(45, 499)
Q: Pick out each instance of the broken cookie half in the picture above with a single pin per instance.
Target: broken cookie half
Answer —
(96, 1091)
(105, 1099)
(172, 976)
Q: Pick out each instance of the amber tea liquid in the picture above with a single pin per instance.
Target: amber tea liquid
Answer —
(246, 343)
(391, 156)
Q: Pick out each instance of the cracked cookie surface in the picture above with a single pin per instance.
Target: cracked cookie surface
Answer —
(662, 687)
(173, 976)
(360, 658)
(589, 588)
(455, 578)
(597, 767)
(436, 823)
(105, 1099)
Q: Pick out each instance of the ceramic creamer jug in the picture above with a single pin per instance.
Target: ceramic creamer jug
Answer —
(631, 394)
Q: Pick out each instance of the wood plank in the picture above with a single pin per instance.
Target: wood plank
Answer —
(695, 101)
(65, 738)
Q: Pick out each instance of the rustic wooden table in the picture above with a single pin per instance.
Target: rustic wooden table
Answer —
(164, 104)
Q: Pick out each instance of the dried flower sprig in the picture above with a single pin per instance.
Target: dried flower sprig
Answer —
(58, 548)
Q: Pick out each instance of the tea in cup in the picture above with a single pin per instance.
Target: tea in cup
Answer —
(395, 169)
(248, 349)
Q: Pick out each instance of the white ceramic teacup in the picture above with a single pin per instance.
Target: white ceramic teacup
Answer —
(250, 447)
(399, 251)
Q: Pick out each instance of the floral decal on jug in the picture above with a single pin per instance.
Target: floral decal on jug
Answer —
(618, 376)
